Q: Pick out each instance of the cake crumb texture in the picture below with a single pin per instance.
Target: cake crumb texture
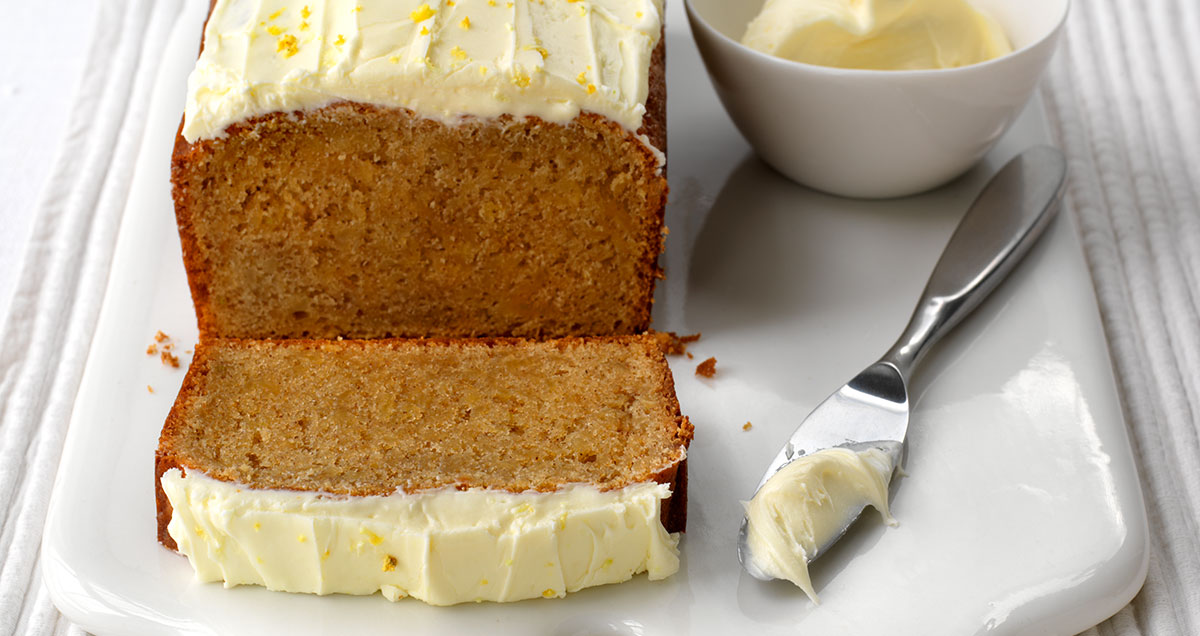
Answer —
(373, 417)
(370, 222)
(707, 369)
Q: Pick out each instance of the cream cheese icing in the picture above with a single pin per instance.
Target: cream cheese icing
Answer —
(877, 34)
(442, 547)
(442, 59)
(806, 503)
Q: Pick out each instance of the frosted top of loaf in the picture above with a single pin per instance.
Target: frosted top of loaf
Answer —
(442, 59)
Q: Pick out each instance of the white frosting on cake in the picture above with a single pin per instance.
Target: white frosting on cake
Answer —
(443, 547)
(443, 59)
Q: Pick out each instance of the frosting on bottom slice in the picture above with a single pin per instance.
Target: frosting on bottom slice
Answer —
(443, 547)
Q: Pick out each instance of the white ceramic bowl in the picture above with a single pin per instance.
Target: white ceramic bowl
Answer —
(873, 134)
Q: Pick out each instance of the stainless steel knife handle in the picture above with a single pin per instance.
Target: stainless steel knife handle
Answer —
(1003, 223)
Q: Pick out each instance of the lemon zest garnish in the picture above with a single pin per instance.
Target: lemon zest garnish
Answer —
(274, 30)
(304, 13)
(458, 53)
(465, 24)
(275, 15)
(341, 39)
(421, 13)
(288, 46)
(372, 537)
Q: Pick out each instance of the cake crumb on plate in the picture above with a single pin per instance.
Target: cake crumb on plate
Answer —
(170, 359)
(674, 344)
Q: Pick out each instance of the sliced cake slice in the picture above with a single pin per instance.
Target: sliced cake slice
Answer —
(413, 168)
(446, 470)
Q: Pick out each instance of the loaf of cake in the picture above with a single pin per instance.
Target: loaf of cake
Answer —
(402, 168)
(446, 470)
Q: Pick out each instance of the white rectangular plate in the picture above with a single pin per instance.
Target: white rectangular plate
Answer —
(1021, 513)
